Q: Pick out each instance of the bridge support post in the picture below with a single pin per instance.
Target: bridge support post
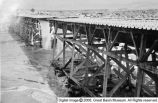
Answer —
(107, 61)
(64, 43)
(55, 39)
(140, 73)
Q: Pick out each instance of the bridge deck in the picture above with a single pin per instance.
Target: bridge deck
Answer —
(148, 24)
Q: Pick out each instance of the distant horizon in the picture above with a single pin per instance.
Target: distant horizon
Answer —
(79, 4)
(89, 9)
(8, 7)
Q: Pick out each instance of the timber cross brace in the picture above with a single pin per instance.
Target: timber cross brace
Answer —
(100, 54)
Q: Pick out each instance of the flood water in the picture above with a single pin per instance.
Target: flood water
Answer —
(41, 59)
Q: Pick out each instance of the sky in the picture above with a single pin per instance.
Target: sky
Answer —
(78, 4)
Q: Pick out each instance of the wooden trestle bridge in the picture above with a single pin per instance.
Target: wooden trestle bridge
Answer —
(105, 56)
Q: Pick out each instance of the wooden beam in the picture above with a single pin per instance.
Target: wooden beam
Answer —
(126, 55)
(136, 48)
(79, 66)
(152, 63)
(106, 75)
(113, 42)
(123, 67)
(97, 54)
(67, 64)
(116, 52)
(127, 64)
(86, 67)
(73, 51)
(105, 37)
(140, 73)
(89, 37)
(109, 37)
(64, 42)
(99, 71)
(124, 78)
(81, 50)
(98, 45)
(55, 34)
(118, 73)
(106, 68)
